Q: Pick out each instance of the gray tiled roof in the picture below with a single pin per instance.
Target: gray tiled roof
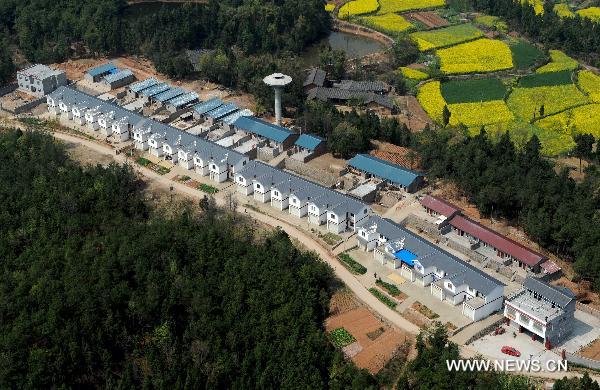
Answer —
(170, 135)
(315, 76)
(361, 86)
(429, 255)
(323, 93)
(560, 295)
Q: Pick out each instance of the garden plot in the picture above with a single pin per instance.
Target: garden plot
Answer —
(391, 6)
(544, 94)
(413, 74)
(491, 22)
(559, 62)
(358, 7)
(589, 82)
(388, 23)
(428, 19)
(469, 91)
(482, 55)
(447, 36)
(525, 55)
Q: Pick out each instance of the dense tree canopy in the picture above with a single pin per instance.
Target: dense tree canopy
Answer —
(98, 290)
(52, 30)
(520, 185)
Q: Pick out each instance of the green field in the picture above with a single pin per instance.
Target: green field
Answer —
(546, 79)
(470, 91)
(447, 36)
(525, 55)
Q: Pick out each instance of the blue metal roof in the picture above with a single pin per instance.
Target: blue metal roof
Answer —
(169, 94)
(155, 89)
(384, 169)
(208, 105)
(122, 74)
(222, 111)
(104, 68)
(309, 142)
(229, 119)
(141, 85)
(406, 256)
(262, 128)
(183, 99)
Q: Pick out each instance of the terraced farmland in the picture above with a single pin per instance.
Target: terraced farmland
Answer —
(388, 23)
(559, 61)
(480, 56)
(358, 7)
(589, 82)
(413, 74)
(447, 36)
(592, 13)
(471, 91)
(391, 6)
(525, 55)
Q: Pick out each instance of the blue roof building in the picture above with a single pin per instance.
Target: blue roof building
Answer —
(97, 73)
(309, 142)
(207, 106)
(119, 78)
(222, 111)
(135, 88)
(267, 130)
(392, 173)
(169, 94)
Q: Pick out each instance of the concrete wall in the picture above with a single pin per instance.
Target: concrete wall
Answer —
(8, 89)
(585, 362)
(24, 107)
(322, 177)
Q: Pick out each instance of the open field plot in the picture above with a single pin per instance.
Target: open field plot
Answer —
(391, 6)
(388, 23)
(525, 55)
(546, 79)
(358, 7)
(559, 61)
(447, 36)
(527, 103)
(491, 22)
(592, 13)
(413, 74)
(578, 120)
(589, 82)
(430, 97)
(470, 91)
(482, 55)
(479, 113)
(428, 19)
(564, 11)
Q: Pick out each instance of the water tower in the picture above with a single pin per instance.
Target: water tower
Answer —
(277, 81)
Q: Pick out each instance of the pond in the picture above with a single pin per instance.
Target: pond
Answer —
(355, 46)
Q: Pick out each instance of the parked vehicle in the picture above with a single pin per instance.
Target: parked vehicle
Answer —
(510, 351)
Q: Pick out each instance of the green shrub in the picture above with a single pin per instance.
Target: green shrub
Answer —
(143, 161)
(208, 189)
(390, 288)
(383, 298)
(352, 264)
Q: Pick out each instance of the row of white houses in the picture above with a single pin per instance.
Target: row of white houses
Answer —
(159, 139)
(448, 278)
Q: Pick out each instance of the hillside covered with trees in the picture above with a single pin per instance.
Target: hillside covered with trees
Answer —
(53, 30)
(99, 290)
(520, 185)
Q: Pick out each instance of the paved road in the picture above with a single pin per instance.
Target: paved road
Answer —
(341, 272)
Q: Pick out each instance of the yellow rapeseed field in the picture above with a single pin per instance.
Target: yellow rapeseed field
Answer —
(447, 36)
(538, 5)
(579, 120)
(564, 11)
(589, 82)
(388, 23)
(592, 13)
(479, 113)
(430, 97)
(413, 74)
(358, 7)
(482, 55)
(391, 6)
(329, 7)
(559, 61)
(526, 102)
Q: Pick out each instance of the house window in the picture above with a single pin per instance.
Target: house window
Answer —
(258, 186)
(244, 163)
(276, 193)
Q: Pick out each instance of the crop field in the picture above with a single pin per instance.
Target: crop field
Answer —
(546, 79)
(430, 97)
(564, 11)
(559, 61)
(526, 103)
(391, 6)
(390, 23)
(525, 55)
(447, 36)
(358, 7)
(329, 7)
(538, 5)
(482, 55)
(479, 113)
(413, 74)
(579, 120)
(592, 13)
(472, 91)
(491, 22)
(589, 82)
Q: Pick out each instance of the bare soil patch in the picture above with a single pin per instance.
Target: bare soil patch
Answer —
(378, 340)
(592, 351)
(429, 19)
(412, 113)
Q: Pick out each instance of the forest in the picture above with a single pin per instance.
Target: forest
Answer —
(53, 30)
(577, 36)
(522, 186)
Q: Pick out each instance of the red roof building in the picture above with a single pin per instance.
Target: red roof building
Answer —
(504, 246)
(437, 206)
